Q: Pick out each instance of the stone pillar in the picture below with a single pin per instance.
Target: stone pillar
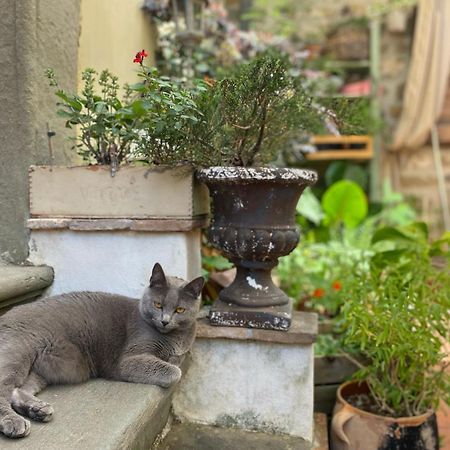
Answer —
(252, 379)
(35, 34)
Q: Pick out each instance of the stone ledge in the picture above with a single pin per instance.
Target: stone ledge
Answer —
(303, 330)
(113, 224)
(190, 436)
(98, 415)
(20, 283)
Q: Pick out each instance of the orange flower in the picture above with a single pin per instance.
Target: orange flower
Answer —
(337, 285)
(209, 81)
(318, 293)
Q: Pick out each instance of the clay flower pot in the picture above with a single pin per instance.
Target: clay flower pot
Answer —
(355, 429)
(253, 225)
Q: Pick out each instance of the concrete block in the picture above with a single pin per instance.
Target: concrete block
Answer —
(250, 384)
(113, 261)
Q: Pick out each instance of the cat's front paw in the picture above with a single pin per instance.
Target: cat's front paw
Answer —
(14, 426)
(171, 376)
(176, 360)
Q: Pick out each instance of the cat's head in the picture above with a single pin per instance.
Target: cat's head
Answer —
(170, 303)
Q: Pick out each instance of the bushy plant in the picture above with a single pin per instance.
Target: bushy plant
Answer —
(148, 120)
(250, 115)
(105, 132)
(397, 315)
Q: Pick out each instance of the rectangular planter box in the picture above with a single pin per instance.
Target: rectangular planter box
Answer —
(104, 233)
(133, 193)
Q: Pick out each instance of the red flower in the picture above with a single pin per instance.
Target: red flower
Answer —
(140, 56)
(318, 293)
(337, 285)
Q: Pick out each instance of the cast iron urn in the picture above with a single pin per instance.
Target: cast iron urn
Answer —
(253, 225)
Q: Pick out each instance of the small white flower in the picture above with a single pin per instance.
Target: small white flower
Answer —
(414, 329)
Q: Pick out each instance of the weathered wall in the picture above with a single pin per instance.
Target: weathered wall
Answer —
(112, 31)
(34, 34)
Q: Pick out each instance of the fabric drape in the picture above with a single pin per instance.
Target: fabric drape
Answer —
(428, 75)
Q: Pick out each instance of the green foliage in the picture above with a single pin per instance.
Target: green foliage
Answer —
(315, 272)
(167, 112)
(105, 132)
(278, 16)
(331, 249)
(212, 263)
(397, 314)
(151, 121)
(250, 115)
(309, 207)
(345, 202)
(340, 170)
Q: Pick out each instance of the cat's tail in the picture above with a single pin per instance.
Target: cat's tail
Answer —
(15, 365)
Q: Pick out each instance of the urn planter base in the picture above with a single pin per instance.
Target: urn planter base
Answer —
(254, 225)
(267, 317)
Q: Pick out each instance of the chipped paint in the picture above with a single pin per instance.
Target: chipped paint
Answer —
(219, 173)
(252, 282)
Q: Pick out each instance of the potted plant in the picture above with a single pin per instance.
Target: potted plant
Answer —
(110, 126)
(397, 315)
(247, 119)
(119, 195)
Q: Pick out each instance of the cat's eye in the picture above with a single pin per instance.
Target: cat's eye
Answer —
(180, 310)
(158, 305)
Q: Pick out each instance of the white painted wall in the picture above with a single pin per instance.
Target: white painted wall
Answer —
(251, 385)
(113, 261)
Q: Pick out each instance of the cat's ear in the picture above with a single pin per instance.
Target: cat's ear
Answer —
(194, 288)
(158, 279)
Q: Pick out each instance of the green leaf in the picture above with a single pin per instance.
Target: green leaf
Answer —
(216, 262)
(345, 202)
(309, 206)
(101, 107)
(390, 234)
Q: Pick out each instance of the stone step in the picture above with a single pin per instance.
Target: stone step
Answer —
(98, 415)
(22, 283)
(189, 436)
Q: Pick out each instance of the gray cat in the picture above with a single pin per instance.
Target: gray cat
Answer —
(73, 337)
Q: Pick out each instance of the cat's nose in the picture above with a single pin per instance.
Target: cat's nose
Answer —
(164, 322)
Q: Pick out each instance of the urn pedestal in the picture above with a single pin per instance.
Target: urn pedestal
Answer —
(253, 225)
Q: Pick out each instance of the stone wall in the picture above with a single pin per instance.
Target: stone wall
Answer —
(35, 34)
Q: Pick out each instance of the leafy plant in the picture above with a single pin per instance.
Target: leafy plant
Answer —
(106, 133)
(337, 237)
(150, 121)
(249, 116)
(397, 313)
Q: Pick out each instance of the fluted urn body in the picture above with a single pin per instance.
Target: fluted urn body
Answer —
(253, 225)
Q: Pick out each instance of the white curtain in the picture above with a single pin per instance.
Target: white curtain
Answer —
(428, 75)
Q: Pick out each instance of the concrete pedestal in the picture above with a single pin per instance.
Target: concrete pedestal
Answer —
(252, 379)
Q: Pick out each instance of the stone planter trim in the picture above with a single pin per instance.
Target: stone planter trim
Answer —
(255, 174)
(160, 224)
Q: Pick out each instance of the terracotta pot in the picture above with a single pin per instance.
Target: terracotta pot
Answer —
(355, 429)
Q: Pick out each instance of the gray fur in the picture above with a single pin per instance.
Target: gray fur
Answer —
(72, 337)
